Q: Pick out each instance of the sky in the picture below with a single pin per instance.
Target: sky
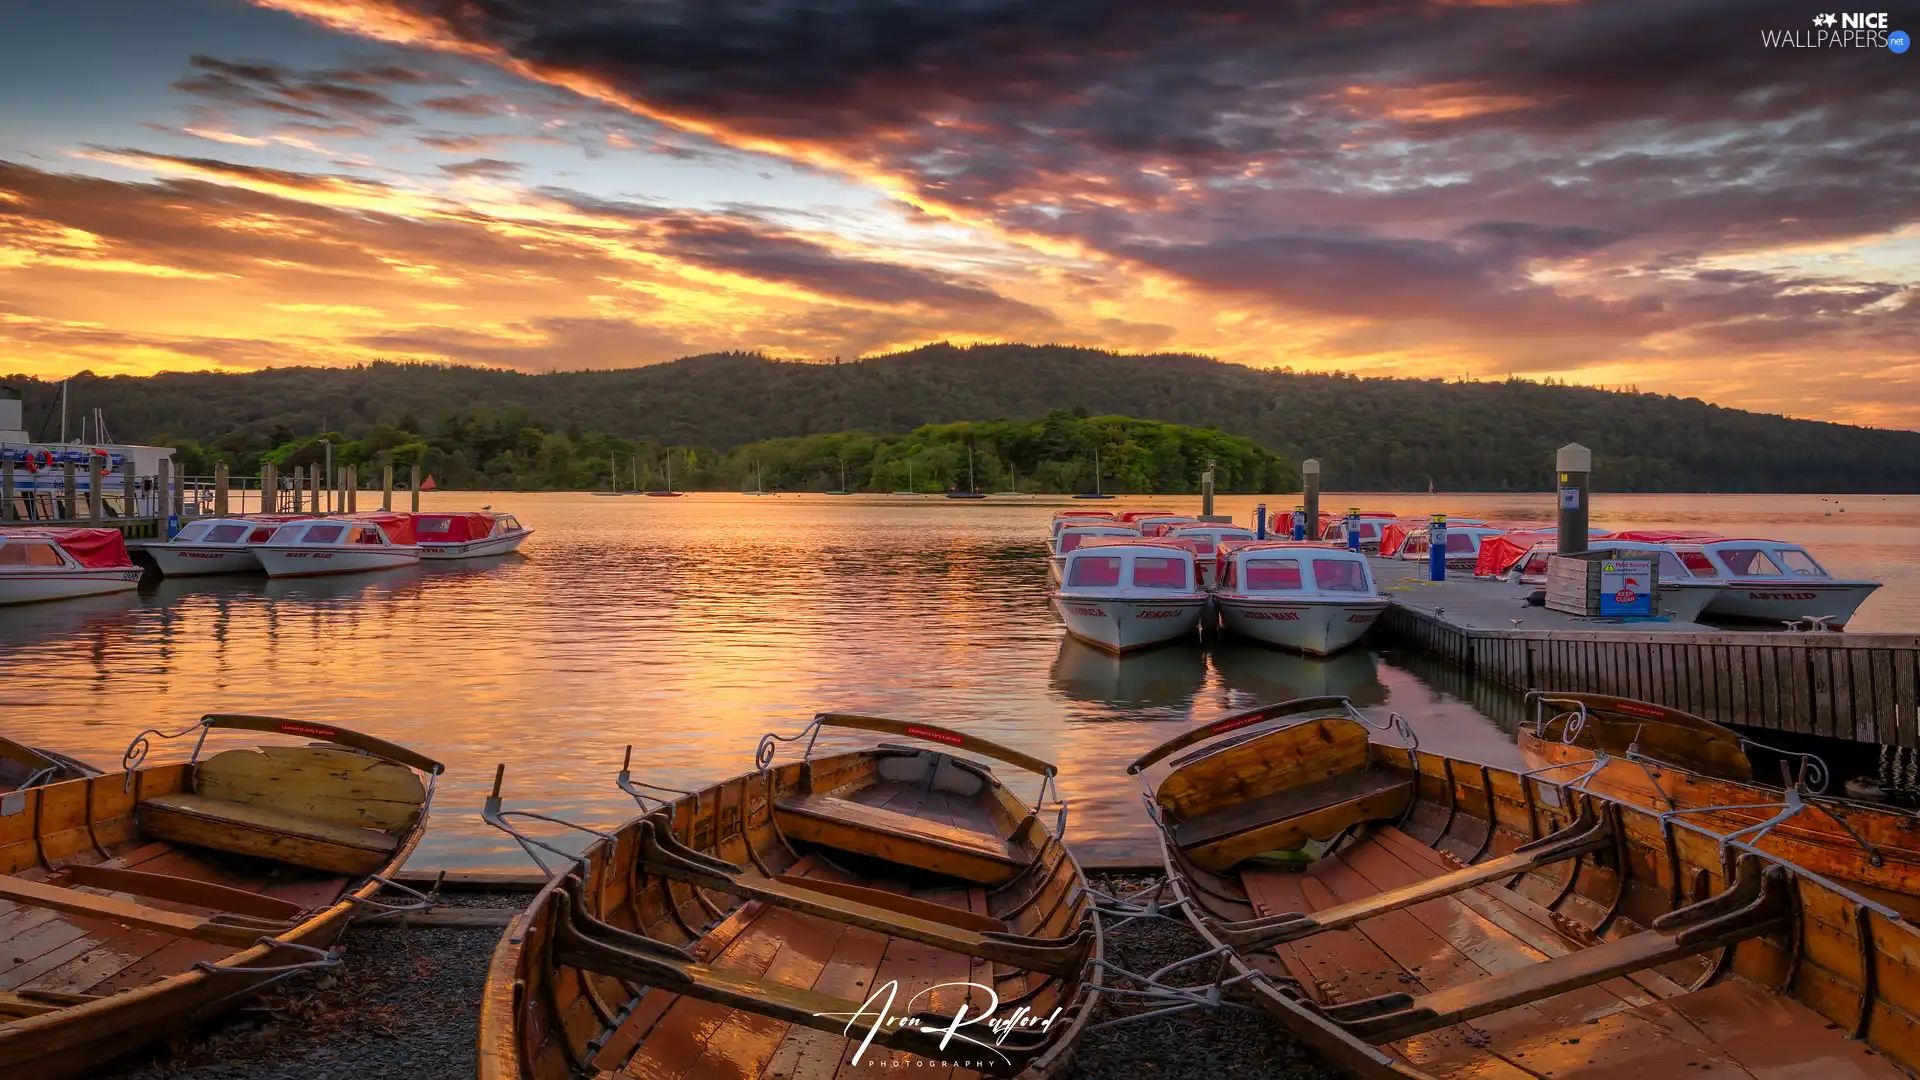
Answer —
(1657, 194)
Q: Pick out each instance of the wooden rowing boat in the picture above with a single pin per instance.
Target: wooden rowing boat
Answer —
(1454, 919)
(23, 766)
(760, 927)
(137, 903)
(1662, 760)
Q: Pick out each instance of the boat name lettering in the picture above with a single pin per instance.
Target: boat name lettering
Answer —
(1633, 708)
(1094, 611)
(1275, 616)
(1159, 613)
(1782, 596)
(948, 737)
(1362, 617)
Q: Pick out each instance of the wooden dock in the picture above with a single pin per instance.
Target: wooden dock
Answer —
(1861, 687)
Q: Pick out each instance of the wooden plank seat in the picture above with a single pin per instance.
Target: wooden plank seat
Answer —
(178, 890)
(915, 920)
(901, 838)
(1221, 838)
(235, 930)
(1588, 833)
(1757, 903)
(252, 829)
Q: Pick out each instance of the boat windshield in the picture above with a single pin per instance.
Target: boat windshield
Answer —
(1096, 573)
(1748, 562)
(226, 534)
(1462, 543)
(323, 534)
(1339, 575)
(192, 532)
(1798, 562)
(1160, 572)
(261, 535)
(29, 553)
(365, 534)
(1273, 575)
(1202, 544)
(1698, 563)
(1671, 568)
(505, 523)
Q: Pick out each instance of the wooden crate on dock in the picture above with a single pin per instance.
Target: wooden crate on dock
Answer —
(1575, 582)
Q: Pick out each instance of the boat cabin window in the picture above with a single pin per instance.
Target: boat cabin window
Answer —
(1201, 544)
(1160, 572)
(1462, 543)
(225, 534)
(433, 526)
(505, 523)
(1798, 562)
(1339, 575)
(1698, 563)
(324, 534)
(260, 535)
(1748, 562)
(1070, 541)
(1671, 568)
(192, 532)
(1536, 564)
(1095, 572)
(1273, 575)
(363, 534)
(29, 554)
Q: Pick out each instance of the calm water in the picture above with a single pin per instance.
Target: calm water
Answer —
(688, 627)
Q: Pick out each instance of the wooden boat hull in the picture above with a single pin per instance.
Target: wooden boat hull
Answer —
(1121, 625)
(36, 585)
(30, 766)
(315, 560)
(1315, 627)
(1474, 921)
(190, 560)
(476, 549)
(136, 983)
(552, 1010)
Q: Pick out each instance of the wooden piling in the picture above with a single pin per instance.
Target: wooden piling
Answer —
(96, 480)
(313, 489)
(1573, 465)
(71, 508)
(1310, 482)
(414, 487)
(129, 490)
(386, 487)
(163, 496)
(220, 489)
(353, 489)
(6, 491)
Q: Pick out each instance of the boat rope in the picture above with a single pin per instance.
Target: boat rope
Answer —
(1900, 770)
(383, 910)
(322, 959)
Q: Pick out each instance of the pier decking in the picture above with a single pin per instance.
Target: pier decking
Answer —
(1862, 687)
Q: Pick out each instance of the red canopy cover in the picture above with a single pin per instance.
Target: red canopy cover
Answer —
(452, 528)
(397, 526)
(1499, 553)
(1663, 536)
(97, 548)
(1394, 534)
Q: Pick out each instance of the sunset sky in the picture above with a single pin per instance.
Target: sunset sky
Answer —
(1609, 192)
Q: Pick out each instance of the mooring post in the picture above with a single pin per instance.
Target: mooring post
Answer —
(129, 488)
(72, 508)
(96, 479)
(1353, 528)
(414, 487)
(1260, 521)
(1310, 477)
(1437, 548)
(386, 487)
(220, 481)
(353, 489)
(6, 488)
(1574, 463)
(163, 496)
(1299, 530)
(1206, 492)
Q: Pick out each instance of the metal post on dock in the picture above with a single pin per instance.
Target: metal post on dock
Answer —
(1260, 521)
(72, 507)
(129, 488)
(414, 487)
(6, 490)
(220, 481)
(163, 496)
(96, 479)
(1353, 528)
(1437, 548)
(1299, 530)
(299, 485)
(1310, 479)
(1574, 463)
(313, 489)
(1206, 492)
(386, 487)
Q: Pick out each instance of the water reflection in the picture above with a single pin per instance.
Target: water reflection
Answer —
(1263, 674)
(1157, 679)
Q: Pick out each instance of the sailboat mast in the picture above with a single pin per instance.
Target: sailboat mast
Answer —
(971, 486)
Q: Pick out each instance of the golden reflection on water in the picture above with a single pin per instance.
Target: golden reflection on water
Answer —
(689, 627)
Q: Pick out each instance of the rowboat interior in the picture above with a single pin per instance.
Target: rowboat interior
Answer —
(134, 903)
(23, 766)
(758, 927)
(1410, 914)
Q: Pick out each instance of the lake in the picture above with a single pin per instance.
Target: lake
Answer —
(689, 627)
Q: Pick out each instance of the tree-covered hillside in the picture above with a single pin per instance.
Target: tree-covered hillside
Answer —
(1372, 434)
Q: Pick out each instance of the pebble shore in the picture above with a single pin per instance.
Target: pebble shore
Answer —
(404, 1005)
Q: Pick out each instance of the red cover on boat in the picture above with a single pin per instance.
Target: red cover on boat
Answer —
(1499, 553)
(398, 527)
(1394, 534)
(452, 528)
(1664, 536)
(97, 548)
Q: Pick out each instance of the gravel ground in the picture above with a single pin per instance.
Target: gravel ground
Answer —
(404, 1003)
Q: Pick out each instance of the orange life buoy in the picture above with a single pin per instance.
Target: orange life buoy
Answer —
(46, 460)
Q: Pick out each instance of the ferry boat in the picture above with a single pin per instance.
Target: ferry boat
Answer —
(39, 466)
(59, 564)
(339, 545)
(1309, 597)
(1772, 581)
(1463, 545)
(217, 545)
(1123, 593)
(1071, 536)
(1684, 595)
(1206, 538)
(469, 535)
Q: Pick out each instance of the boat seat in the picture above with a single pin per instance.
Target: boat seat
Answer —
(248, 829)
(903, 838)
(235, 930)
(1218, 839)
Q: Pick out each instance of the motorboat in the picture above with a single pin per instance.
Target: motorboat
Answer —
(470, 535)
(1500, 554)
(1206, 538)
(59, 564)
(1369, 523)
(1123, 593)
(1071, 536)
(1395, 534)
(1280, 524)
(1064, 518)
(1133, 517)
(1772, 581)
(1161, 526)
(1684, 595)
(339, 545)
(217, 545)
(1463, 545)
(1309, 597)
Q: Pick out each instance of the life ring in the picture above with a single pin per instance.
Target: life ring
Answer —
(46, 460)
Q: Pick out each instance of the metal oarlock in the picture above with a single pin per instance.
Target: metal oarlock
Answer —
(493, 815)
(383, 910)
(142, 745)
(764, 754)
(625, 782)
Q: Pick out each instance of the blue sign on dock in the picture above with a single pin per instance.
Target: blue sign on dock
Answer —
(1626, 587)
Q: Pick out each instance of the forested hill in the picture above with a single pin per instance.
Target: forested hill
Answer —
(1372, 434)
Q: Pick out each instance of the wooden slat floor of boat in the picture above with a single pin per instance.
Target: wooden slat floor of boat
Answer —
(697, 1040)
(1639, 1026)
(42, 950)
(888, 821)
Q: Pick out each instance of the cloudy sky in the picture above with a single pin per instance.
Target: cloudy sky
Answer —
(1611, 192)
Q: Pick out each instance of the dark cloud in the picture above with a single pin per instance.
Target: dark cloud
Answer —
(327, 95)
(563, 343)
(465, 104)
(487, 167)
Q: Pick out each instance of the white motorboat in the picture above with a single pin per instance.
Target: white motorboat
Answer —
(1124, 593)
(1684, 595)
(1369, 524)
(1071, 535)
(216, 545)
(1310, 597)
(1206, 538)
(339, 545)
(1772, 581)
(1463, 545)
(468, 535)
(58, 564)
(1064, 518)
